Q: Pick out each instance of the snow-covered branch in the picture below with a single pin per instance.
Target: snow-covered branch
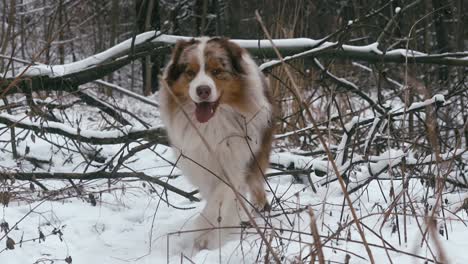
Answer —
(392, 159)
(348, 86)
(41, 77)
(126, 134)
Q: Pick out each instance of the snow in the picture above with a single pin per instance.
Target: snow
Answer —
(432, 158)
(71, 130)
(287, 160)
(118, 51)
(118, 231)
(60, 70)
(279, 43)
(128, 92)
(406, 53)
(438, 98)
(341, 147)
(371, 131)
(272, 63)
(133, 223)
(388, 158)
(397, 9)
(373, 48)
(279, 136)
(130, 224)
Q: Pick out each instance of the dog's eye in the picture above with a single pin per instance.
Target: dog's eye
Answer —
(190, 73)
(216, 72)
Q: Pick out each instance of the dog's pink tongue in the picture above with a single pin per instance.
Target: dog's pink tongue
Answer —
(203, 112)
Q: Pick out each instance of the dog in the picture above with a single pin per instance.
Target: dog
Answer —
(216, 106)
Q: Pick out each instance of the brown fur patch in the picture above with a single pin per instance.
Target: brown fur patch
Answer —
(259, 164)
(183, 69)
(224, 65)
(177, 68)
(232, 51)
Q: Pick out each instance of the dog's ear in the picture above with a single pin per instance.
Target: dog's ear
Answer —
(234, 53)
(175, 68)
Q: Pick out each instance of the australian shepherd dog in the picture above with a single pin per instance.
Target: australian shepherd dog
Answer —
(217, 110)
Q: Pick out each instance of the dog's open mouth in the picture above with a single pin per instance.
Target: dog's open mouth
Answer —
(204, 111)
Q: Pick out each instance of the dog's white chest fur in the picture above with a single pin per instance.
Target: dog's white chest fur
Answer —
(232, 139)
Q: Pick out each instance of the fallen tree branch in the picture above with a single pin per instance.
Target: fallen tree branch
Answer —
(86, 97)
(349, 86)
(437, 100)
(129, 93)
(156, 135)
(92, 100)
(426, 161)
(101, 82)
(44, 77)
(31, 176)
(54, 78)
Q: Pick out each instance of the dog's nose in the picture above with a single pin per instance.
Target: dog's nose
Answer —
(203, 92)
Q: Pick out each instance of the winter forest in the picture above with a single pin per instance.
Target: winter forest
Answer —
(369, 161)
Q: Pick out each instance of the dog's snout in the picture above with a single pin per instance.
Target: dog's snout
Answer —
(203, 92)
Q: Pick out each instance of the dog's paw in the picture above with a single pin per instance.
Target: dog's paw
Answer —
(200, 243)
(204, 241)
(266, 207)
(262, 207)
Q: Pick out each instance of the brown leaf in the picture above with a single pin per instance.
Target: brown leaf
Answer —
(347, 258)
(92, 199)
(10, 243)
(41, 236)
(465, 205)
(4, 227)
(5, 198)
(68, 259)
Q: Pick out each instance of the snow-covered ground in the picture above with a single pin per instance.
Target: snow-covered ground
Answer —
(137, 222)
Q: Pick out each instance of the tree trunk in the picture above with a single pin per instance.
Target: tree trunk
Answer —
(61, 38)
(146, 21)
(46, 27)
(441, 33)
(460, 42)
(148, 63)
(8, 32)
(113, 37)
(72, 45)
(233, 15)
(204, 13)
(22, 38)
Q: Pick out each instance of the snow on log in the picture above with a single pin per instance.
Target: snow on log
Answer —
(126, 134)
(127, 92)
(393, 158)
(146, 43)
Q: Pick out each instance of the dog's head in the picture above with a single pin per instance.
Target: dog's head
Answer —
(207, 72)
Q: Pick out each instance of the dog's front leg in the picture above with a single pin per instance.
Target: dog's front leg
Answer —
(219, 218)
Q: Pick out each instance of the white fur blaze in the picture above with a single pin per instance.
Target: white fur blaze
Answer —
(202, 78)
